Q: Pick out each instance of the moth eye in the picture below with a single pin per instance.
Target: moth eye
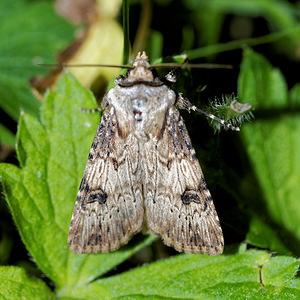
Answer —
(119, 79)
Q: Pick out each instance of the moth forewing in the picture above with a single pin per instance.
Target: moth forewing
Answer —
(179, 206)
(142, 163)
(109, 205)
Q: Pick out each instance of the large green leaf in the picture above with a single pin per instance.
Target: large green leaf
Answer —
(15, 284)
(250, 275)
(41, 194)
(273, 145)
(30, 32)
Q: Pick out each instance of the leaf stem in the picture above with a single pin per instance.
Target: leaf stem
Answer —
(126, 45)
(218, 48)
(143, 28)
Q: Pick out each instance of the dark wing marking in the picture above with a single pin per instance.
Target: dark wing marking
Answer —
(178, 205)
(109, 204)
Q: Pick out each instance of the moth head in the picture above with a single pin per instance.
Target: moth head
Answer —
(141, 68)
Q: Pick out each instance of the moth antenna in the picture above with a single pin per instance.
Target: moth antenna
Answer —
(185, 103)
(166, 65)
(195, 66)
(63, 65)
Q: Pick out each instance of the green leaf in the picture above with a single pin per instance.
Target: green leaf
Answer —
(295, 95)
(253, 274)
(212, 20)
(41, 195)
(260, 84)
(15, 284)
(6, 136)
(272, 142)
(262, 235)
(35, 34)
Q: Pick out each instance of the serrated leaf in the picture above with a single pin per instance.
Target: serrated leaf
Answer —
(250, 275)
(15, 284)
(41, 195)
(272, 143)
(35, 33)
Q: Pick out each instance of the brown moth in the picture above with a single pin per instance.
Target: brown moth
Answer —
(142, 171)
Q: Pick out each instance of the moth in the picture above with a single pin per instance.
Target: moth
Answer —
(142, 172)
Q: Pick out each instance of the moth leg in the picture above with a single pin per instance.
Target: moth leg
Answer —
(184, 103)
(98, 109)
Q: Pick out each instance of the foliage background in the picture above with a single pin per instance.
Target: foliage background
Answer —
(254, 176)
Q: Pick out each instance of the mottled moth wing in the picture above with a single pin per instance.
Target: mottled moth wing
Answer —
(178, 205)
(109, 204)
